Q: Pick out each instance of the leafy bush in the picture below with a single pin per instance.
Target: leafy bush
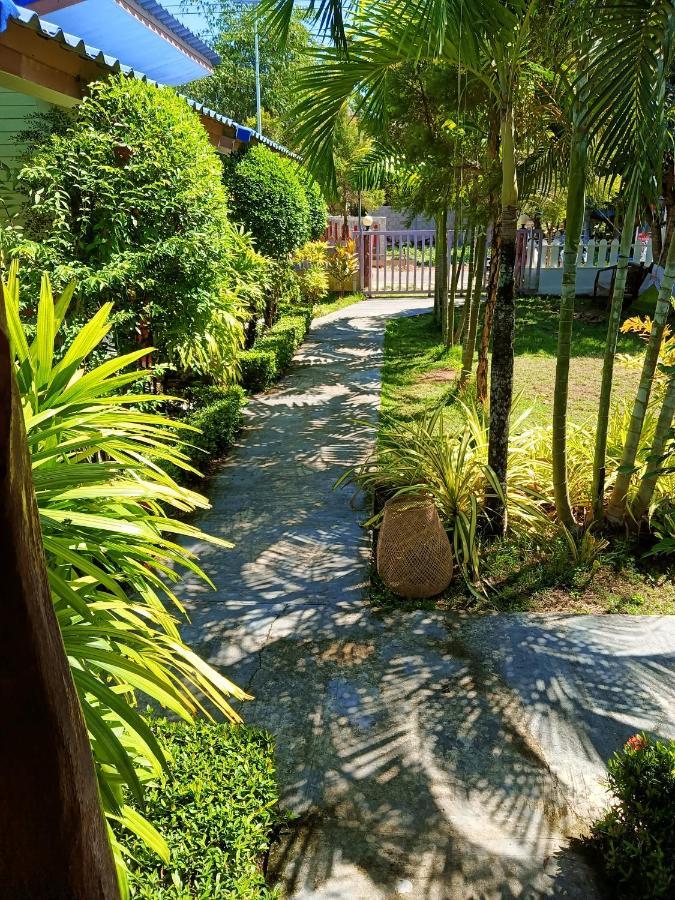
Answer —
(636, 839)
(111, 554)
(259, 368)
(318, 211)
(273, 352)
(216, 810)
(284, 338)
(343, 266)
(269, 199)
(129, 200)
(313, 285)
(218, 423)
(422, 457)
(311, 260)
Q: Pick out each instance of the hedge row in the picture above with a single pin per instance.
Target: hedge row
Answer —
(217, 811)
(272, 353)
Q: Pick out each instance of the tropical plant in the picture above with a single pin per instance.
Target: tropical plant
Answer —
(127, 198)
(635, 839)
(424, 457)
(269, 199)
(343, 265)
(98, 455)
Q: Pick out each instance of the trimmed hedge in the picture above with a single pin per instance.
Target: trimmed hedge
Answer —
(259, 368)
(272, 353)
(269, 199)
(216, 809)
(219, 422)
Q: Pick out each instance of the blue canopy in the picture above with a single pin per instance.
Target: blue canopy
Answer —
(143, 36)
(7, 10)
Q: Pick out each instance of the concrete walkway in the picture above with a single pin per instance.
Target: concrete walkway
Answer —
(427, 755)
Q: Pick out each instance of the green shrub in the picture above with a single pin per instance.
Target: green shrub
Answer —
(218, 421)
(273, 351)
(636, 839)
(217, 809)
(259, 368)
(284, 338)
(318, 211)
(269, 199)
(106, 506)
(129, 200)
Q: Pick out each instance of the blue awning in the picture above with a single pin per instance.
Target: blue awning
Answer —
(144, 36)
(28, 19)
(8, 10)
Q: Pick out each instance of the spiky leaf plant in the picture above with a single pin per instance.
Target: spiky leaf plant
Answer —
(427, 457)
(110, 546)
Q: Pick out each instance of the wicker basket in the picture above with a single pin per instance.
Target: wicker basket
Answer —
(414, 557)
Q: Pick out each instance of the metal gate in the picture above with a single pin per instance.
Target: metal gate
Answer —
(402, 262)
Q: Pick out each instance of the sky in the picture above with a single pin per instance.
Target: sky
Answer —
(190, 12)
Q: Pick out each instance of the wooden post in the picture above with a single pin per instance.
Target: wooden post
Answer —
(53, 839)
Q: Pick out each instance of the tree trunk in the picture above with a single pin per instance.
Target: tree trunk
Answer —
(470, 342)
(449, 335)
(466, 309)
(576, 204)
(617, 500)
(645, 492)
(52, 831)
(654, 218)
(457, 274)
(488, 318)
(439, 268)
(616, 306)
(443, 274)
(491, 298)
(501, 380)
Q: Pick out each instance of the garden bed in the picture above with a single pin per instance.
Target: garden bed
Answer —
(521, 576)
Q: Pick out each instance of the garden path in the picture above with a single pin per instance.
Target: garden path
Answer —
(427, 755)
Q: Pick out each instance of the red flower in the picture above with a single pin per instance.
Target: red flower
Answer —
(637, 742)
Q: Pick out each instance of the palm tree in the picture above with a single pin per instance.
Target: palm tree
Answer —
(628, 66)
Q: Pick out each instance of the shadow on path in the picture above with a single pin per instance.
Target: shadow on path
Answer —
(426, 755)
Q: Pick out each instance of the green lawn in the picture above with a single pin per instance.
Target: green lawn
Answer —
(419, 372)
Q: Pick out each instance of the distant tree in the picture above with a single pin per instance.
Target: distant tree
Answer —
(231, 88)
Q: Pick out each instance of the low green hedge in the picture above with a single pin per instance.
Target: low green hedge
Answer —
(216, 809)
(259, 368)
(218, 414)
(219, 422)
(273, 351)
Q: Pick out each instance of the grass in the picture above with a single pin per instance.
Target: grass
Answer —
(217, 810)
(334, 303)
(419, 371)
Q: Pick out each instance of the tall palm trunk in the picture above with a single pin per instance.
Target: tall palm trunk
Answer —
(617, 501)
(576, 205)
(488, 318)
(454, 283)
(449, 335)
(491, 298)
(598, 490)
(501, 380)
(439, 294)
(466, 309)
(470, 341)
(648, 483)
(442, 268)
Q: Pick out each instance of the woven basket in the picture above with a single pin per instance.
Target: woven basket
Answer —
(414, 557)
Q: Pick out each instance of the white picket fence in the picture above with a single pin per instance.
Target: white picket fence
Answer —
(539, 263)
